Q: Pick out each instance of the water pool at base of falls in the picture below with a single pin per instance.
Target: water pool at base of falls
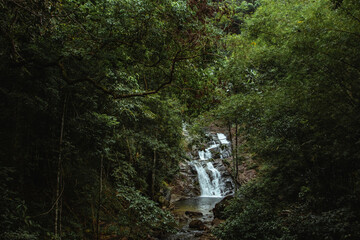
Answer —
(198, 204)
(203, 205)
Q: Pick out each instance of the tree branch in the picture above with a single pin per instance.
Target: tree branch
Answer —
(114, 94)
(337, 59)
(52, 206)
(350, 14)
(24, 8)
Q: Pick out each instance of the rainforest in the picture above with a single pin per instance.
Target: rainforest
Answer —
(179, 119)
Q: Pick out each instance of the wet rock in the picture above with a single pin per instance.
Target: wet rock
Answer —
(193, 169)
(229, 184)
(197, 224)
(220, 207)
(185, 184)
(216, 164)
(210, 174)
(226, 173)
(220, 167)
(215, 152)
(193, 214)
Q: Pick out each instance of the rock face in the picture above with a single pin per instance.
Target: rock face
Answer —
(225, 176)
(186, 183)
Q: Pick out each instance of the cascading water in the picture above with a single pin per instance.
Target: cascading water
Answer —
(210, 180)
(215, 182)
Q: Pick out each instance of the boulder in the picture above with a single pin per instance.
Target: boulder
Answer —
(220, 207)
(193, 214)
(198, 234)
(197, 224)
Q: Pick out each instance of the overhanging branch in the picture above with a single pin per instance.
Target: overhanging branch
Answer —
(113, 94)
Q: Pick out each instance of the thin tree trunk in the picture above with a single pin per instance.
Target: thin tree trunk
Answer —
(100, 198)
(93, 218)
(232, 150)
(231, 141)
(57, 223)
(153, 177)
(60, 216)
(236, 156)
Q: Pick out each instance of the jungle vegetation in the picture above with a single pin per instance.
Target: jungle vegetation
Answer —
(93, 95)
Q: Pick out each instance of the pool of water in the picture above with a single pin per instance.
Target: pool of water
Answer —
(196, 204)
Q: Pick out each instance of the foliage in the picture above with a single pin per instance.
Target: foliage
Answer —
(16, 224)
(294, 78)
(94, 94)
(92, 97)
(146, 215)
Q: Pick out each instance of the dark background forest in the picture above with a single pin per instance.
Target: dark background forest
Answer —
(94, 94)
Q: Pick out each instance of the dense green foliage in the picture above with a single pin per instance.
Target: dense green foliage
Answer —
(93, 95)
(90, 129)
(295, 77)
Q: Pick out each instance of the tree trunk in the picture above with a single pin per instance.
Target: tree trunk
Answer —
(236, 157)
(232, 151)
(100, 198)
(59, 185)
(60, 215)
(153, 177)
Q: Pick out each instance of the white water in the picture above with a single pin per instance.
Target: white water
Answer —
(208, 188)
(222, 138)
(209, 177)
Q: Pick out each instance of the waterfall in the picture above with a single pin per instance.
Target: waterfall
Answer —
(208, 189)
(210, 180)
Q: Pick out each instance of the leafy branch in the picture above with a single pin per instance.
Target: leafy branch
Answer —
(112, 93)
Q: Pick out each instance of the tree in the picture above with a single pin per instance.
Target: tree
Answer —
(84, 86)
(295, 71)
